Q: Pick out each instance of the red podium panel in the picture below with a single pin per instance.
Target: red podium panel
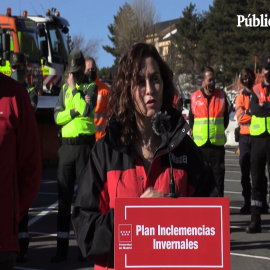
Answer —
(166, 233)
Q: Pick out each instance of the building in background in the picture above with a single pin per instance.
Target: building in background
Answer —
(162, 37)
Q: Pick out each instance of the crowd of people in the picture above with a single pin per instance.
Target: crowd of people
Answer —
(111, 147)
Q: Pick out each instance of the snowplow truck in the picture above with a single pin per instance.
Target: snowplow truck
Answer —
(22, 35)
(53, 49)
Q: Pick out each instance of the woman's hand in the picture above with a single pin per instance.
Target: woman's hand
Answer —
(152, 193)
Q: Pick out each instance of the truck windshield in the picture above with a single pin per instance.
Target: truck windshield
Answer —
(29, 45)
(58, 42)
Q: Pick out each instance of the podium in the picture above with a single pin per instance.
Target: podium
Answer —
(166, 233)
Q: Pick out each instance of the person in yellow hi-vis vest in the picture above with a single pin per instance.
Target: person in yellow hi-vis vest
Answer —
(243, 115)
(208, 119)
(260, 145)
(74, 112)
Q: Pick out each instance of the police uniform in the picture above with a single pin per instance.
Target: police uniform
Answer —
(77, 138)
(18, 62)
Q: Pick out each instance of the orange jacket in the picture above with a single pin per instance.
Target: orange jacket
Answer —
(101, 109)
(260, 92)
(208, 117)
(242, 111)
(199, 104)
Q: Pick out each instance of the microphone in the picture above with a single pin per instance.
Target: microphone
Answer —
(161, 123)
(161, 126)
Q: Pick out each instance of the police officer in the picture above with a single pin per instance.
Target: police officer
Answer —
(208, 118)
(18, 73)
(260, 145)
(75, 114)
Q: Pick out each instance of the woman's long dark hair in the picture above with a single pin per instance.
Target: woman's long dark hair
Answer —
(120, 97)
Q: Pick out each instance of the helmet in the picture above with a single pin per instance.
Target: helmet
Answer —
(17, 59)
(76, 61)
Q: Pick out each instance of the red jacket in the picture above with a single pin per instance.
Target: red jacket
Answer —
(115, 170)
(20, 160)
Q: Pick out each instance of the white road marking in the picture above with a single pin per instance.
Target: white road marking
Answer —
(250, 256)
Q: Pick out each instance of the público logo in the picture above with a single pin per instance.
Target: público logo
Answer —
(253, 21)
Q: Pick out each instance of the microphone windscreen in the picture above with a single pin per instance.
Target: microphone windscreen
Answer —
(161, 123)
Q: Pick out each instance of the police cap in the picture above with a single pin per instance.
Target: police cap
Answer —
(266, 62)
(76, 61)
(17, 59)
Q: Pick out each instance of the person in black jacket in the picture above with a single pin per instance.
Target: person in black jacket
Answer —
(132, 160)
(260, 146)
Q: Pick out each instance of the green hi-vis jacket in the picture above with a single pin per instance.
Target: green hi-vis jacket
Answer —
(81, 123)
(33, 95)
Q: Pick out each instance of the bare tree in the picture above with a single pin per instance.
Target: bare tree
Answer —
(133, 23)
(89, 47)
(145, 19)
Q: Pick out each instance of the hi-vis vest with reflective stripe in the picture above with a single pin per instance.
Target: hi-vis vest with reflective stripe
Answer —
(259, 125)
(80, 125)
(243, 119)
(101, 109)
(208, 118)
(101, 115)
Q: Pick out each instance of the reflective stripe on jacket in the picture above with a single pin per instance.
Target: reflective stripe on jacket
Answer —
(260, 124)
(242, 112)
(101, 109)
(73, 124)
(208, 118)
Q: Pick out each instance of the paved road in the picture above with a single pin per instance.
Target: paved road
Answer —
(247, 251)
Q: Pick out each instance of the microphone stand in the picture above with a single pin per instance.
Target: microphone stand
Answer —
(172, 193)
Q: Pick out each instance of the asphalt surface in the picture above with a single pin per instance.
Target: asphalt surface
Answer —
(248, 251)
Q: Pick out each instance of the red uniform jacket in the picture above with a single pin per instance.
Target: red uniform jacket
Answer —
(20, 160)
(115, 170)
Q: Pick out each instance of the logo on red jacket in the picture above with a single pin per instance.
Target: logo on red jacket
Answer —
(199, 103)
(125, 233)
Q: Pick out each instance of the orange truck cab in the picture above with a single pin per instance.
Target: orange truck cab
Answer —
(20, 34)
(23, 33)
